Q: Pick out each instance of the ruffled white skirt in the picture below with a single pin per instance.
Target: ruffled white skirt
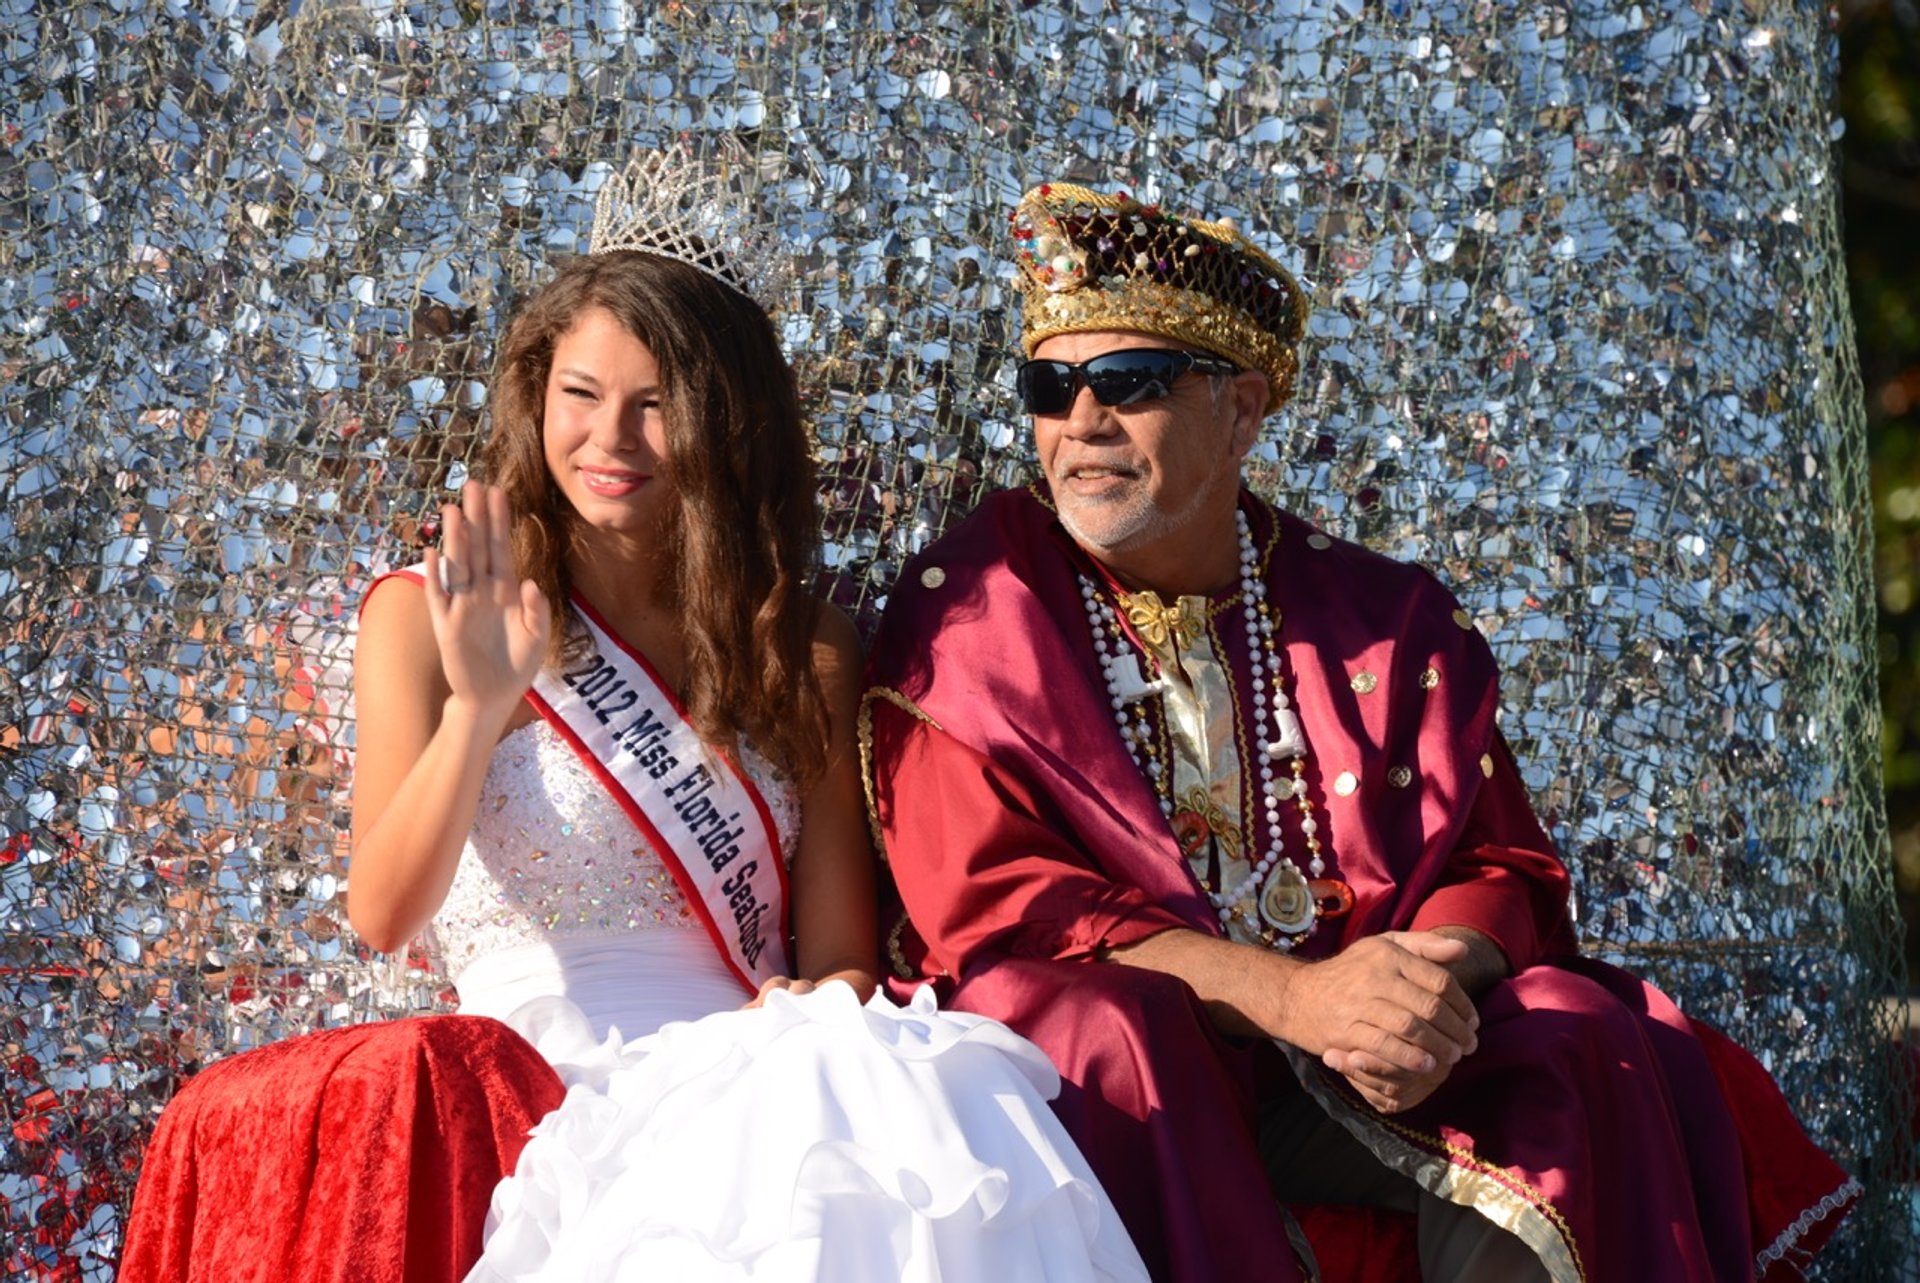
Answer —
(812, 1138)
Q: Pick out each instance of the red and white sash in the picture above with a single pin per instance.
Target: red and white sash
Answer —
(698, 811)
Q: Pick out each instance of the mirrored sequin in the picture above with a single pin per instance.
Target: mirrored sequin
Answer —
(1577, 345)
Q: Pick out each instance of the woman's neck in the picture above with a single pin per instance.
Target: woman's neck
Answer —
(614, 570)
(624, 581)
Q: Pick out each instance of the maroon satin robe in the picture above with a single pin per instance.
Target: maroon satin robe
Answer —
(1636, 1145)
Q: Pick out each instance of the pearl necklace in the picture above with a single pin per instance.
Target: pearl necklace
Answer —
(1128, 693)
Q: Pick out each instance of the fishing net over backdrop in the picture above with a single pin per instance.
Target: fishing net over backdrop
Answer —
(1579, 342)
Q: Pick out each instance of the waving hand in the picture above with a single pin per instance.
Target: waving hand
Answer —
(491, 626)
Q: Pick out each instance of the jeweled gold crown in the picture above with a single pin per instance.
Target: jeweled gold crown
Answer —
(1090, 261)
(679, 207)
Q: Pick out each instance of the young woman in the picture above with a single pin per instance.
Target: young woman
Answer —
(606, 755)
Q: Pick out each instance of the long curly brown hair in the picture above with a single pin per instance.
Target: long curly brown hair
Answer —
(744, 533)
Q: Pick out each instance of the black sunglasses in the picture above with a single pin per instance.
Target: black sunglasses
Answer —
(1117, 378)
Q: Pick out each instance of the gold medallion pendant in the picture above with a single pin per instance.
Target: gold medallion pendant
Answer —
(1286, 902)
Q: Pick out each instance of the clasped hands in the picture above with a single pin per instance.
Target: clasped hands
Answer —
(1389, 1014)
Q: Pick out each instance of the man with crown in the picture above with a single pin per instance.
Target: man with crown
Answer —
(1212, 807)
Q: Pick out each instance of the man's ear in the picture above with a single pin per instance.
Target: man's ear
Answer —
(1249, 404)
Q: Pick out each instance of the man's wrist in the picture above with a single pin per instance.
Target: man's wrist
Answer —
(1486, 962)
(1245, 989)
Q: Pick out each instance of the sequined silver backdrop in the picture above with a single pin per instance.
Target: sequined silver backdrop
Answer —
(1580, 342)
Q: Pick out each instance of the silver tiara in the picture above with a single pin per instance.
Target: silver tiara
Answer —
(671, 204)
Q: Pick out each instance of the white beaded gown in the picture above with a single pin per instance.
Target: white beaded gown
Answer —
(811, 1139)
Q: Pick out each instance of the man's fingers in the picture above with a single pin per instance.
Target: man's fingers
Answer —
(1391, 1095)
(1378, 1086)
(1358, 1065)
(1443, 954)
(1391, 1001)
(1360, 1062)
(1397, 1035)
(1423, 1009)
(1387, 1089)
(1384, 1101)
(1400, 1052)
(1441, 989)
(1444, 950)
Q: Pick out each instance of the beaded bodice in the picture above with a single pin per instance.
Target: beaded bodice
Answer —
(551, 854)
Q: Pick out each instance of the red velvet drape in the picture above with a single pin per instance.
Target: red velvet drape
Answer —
(366, 1153)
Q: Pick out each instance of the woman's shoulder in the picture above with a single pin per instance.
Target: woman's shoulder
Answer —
(394, 597)
(833, 627)
(396, 605)
(837, 653)
(395, 632)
